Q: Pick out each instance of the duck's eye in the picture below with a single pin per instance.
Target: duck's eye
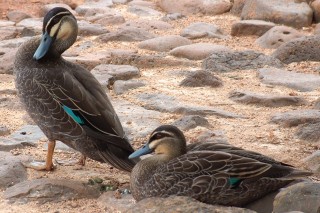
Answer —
(159, 135)
(55, 20)
(156, 136)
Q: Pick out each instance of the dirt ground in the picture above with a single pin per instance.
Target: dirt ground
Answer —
(255, 133)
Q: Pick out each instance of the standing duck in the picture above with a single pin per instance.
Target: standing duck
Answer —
(228, 176)
(65, 100)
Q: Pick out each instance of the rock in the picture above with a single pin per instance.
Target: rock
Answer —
(9, 32)
(200, 30)
(28, 135)
(93, 6)
(100, 11)
(90, 60)
(300, 49)
(277, 36)
(5, 23)
(7, 56)
(143, 11)
(121, 87)
(11, 170)
(4, 130)
(106, 19)
(286, 12)
(122, 53)
(303, 197)
(164, 43)
(17, 16)
(150, 61)
(250, 27)
(239, 60)
(266, 100)
(317, 29)
(49, 190)
(137, 121)
(188, 122)
(89, 29)
(317, 104)
(315, 5)
(313, 161)
(165, 103)
(46, 8)
(296, 117)
(33, 23)
(187, 7)
(181, 204)
(149, 4)
(108, 203)
(172, 17)
(126, 34)
(117, 72)
(264, 204)
(217, 136)
(309, 132)
(201, 78)
(237, 7)
(198, 51)
(12, 43)
(147, 25)
(298, 81)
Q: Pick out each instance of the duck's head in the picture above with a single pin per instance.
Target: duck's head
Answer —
(167, 141)
(59, 32)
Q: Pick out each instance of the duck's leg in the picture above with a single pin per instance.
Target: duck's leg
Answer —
(49, 162)
(48, 165)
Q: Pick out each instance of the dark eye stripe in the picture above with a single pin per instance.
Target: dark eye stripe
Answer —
(159, 135)
(54, 20)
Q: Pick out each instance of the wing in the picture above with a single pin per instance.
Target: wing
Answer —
(202, 172)
(224, 147)
(83, 98)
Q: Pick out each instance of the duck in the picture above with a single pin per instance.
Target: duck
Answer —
(65, 100)
(213, 173)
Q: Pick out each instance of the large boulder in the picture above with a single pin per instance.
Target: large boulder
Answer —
(181, 204)
(300, 49)
(186, 7)
(287, 12)
(277, 36)
(304, 197)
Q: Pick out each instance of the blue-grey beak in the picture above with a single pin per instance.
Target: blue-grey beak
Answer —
(44, 46)
(142, 151)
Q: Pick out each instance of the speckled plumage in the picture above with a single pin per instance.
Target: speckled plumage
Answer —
(46, 85)
(213, 173)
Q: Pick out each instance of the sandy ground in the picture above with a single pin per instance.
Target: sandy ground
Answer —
(254, 133)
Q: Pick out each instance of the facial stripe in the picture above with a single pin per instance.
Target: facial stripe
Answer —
(55, 19)
(164, 133)
(156, 137)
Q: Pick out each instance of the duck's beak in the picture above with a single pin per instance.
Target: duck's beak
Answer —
(44, 46)
(142, 151)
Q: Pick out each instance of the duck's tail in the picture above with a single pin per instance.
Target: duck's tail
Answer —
(117, 157)
(113, 149)
(297, 174)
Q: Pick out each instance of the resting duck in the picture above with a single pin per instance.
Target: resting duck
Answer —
(65, 100)
(212, 173)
